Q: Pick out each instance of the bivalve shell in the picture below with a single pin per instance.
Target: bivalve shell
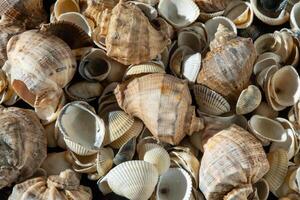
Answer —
(249, 100)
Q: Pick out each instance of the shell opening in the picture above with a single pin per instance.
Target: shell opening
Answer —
(102, 67)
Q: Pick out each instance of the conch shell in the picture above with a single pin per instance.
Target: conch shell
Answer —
(64, 186)
(136, 42)
(163, 103)
(233, 160)
(23, 145)
(227, 68)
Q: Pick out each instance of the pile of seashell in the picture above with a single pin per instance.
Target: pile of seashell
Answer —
(149, 99)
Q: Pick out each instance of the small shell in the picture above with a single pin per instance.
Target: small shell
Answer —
(191, 66)
(83, 91)
(77, 19)
(261, 189)
(142, 69)
(177, 59)
(265, 110)
(249, 100)
(209, 101)
(207, 16)
(278, 169)
(126, 152)
(175, 184)
(65, 6)
(294, 16)
(134, 180)
(265, 61)
(104, 161)
(55, 163)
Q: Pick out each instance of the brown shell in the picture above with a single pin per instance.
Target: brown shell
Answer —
(131, 39)
(66, 186)
(163, 103)
(23, 145)
(233, 159)
(227, 69)
(96, 7)
(209, 6)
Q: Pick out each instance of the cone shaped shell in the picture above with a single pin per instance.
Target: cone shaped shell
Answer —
(249, 100)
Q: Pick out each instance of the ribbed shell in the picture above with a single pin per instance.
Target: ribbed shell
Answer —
(209, 6)
(249, 100)
(131, 39)
(96, 7)
(163, 103)
(227, 69)
(23, 145)
(104, 161)
(231, 158)
(66, 186)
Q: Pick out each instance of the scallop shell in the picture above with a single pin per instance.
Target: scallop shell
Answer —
(85, 137)
(262, 189)
(179, 13)
(142, 69)
(294, 16)
(265, 110)
(24, 145)
(126, 152)
(65, 6)
(64, 186)
(175, 184)
(249, 100)
(147, 43)
(219, 168)
(209, 101)
(77, 19)
(227, 68)
(55, 163)
(134, 180)
(162, 92)
(39, 66)
(278, 169)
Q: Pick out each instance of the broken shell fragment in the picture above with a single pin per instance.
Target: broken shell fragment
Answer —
(104, 161)
(249, 100)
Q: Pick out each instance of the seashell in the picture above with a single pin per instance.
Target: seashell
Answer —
(211, 6)
(212, 26)
(150, 12)
(139, 183)
(249, 100)
(207, 16)
(126, 152)
(83, 91)
(265, 61)
(23, 145)
(104, 161)
(278, 169)
(55, 163)
(191, 66)
(216, 73)
(291, 196)
(209, 101)
(241, 192)
(52, 66)
(177, 58)
(128, 50)
(165, 28)
(294, 16)
(174, 184)
(64, 186)
(264, 76)
(240, 13)
(150, 2)
(82, 161)
(142, 69)
(185, 143)
(162, 92)
(65, 6)
(262, 189)
(179, 13)
(191, 38)
(269, 17)
(221, 153)
(73, 121)
(100, 32)
(77, 19)
(156, 155)
(289, 184)
(265, 110)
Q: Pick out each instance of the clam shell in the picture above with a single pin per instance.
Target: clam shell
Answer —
(294, 16)
(175, 184)
(191, 66)
(264, 61)
(83, 91)
(55, 163)
(262, 189)
(142, 69)
(65, 6)
(278, 169)
(104, 161)
(150, 12)
(209, 101)
(191, 39)
(179, 13)
(177, 58)
(132, 179)
(73, 121)
(265, 110)
(77, 19)
(207, 16)
(126, 152)
(249, 100)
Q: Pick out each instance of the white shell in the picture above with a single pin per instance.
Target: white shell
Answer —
(77, 19)
(175, 184)
(65, 6)
(294, 17)
(191, 66)
(248, 100)
(104, 161)
(143, 68)
(134, 180)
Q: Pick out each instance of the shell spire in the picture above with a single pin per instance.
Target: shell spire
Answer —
(222, 36)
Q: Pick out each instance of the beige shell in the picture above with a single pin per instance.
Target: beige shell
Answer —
(39, 66)
(147, 43)
(265, 61)
(134, 180)
(249, 100)
(226, 72)
(142, 69)
(83, 91)
(104, 161)
(294, 16)
(210, 6)
(23, 145)
(77, 19)
(55, 163)
(163, 103)
(233, 157)
(265, 110)
(261, 189)
(64, 186)
(65, 6)
(150, 2)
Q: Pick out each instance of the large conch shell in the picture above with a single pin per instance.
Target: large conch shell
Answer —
(64, 186)
(136, 42)
(23, 145)
(227, 68)
(233, 160)
(39, 66)
(163, 103)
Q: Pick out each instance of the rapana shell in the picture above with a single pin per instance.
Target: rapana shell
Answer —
(77, 19)
(294, 17)
(227, 68)
(55, 163)
(64, 186)
(179, 13)
(234, 158)
(175, 184)
(209, 101)
(65, 6)
(23, 145)
(150, 12)
(163, 103)
(147, 42)
(83, 130)
(134, 180)
(249, 100)
(126, 152)
(39, 66)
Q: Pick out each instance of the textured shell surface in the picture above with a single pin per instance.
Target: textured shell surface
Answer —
(210, 6)
(249, 100)
(240, 155)
(163, 103)
(23, 145)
